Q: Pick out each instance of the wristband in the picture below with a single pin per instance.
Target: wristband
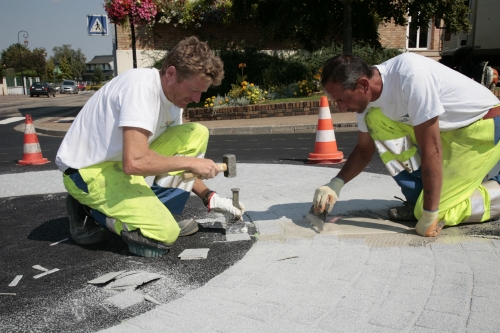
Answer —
(206, 198)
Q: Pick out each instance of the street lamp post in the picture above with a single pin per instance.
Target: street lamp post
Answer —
(25, 35)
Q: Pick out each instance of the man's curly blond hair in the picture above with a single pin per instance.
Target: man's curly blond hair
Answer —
(194, 57)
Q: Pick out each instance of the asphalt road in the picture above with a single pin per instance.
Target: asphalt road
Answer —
(272, 148)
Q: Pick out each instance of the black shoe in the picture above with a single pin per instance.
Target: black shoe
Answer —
(144, 246)
(82, 226)
(188, 227)
(402, 213)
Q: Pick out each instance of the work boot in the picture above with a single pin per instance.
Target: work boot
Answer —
(144, 246)
(402, 213)
(82, 226)
(188, 227)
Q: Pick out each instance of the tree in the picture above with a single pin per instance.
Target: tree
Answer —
(98, 76)
(65, 68)
(33, 62)
(74, 58)
(313, 23)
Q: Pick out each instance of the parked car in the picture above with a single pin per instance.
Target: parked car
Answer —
(69, 86)
(42, 88)
(81, 86)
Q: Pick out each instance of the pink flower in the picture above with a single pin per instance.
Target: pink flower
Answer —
(139, 11)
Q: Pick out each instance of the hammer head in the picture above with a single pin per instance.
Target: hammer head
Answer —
(230, 161)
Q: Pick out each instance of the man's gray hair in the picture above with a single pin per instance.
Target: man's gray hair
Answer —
(345, 69)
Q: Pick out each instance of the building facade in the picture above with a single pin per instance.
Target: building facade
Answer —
(151, 45)
(104, 62)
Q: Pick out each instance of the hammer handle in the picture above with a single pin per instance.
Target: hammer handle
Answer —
(190, 175)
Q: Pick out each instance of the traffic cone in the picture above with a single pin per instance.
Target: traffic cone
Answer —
(325, 148)
(32, 152)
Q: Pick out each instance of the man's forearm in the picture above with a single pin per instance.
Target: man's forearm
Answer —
(432, 180)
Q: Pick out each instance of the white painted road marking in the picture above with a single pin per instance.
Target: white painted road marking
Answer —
(15, 281)
(46, 273)
(11, 120)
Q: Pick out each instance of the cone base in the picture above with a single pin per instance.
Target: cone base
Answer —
(34, 162)
(333, 156)
(324, 161)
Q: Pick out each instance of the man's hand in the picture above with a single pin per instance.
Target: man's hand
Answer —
(327, 195)
(429, 225)
(205, 168)
(225, 205)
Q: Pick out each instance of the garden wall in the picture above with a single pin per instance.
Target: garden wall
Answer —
(256, 111)
(261, 111)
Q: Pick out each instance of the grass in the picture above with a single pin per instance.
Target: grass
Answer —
(272, 101)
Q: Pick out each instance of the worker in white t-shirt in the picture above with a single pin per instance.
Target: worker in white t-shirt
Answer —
(132, 128)
(411, 101)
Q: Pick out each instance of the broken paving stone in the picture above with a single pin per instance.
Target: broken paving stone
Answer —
(218, 222)
(125, 299)
(151, 299)
(105, 278)
(237, 237)
(62, 240)
(133, 280)
(40, 268)
(194, 254)
(46, 273)
(15, 281)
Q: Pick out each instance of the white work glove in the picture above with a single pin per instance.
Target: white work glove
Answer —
(224, 205)
(428, 224)
(327, 195)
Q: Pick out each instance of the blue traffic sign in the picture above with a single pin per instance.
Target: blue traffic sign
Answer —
(97, 25)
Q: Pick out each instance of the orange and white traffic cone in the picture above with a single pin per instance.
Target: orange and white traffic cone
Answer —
(32, 152)
(325, 148)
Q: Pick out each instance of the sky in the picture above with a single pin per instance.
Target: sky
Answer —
(51, 23)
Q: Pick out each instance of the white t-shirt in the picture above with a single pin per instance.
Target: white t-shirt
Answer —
(134, 98)
(416, 89)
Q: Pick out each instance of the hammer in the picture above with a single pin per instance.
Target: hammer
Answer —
(228, 166)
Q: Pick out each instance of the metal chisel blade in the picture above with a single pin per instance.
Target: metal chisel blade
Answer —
(316, 221)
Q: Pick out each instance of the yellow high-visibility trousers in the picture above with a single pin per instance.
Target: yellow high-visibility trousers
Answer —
(469, 153)
(126, 201)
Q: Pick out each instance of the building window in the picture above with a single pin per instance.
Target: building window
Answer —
(417, 38)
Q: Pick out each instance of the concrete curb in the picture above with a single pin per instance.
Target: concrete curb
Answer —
(278, 129)
(241, 130)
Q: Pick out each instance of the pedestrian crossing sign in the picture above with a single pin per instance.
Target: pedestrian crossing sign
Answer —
(97, 25)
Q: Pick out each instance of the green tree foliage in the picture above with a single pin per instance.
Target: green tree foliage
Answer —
(314, 23)
(65, 68)
(74, 58)
(19, 58)
(98, 75)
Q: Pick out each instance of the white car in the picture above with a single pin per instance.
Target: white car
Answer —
(69, 87)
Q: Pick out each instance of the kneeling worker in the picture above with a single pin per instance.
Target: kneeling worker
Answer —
(411, 101)
(132, 128)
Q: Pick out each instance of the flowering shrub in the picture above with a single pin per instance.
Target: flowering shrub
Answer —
(138, 12)
(306, 88)
(194, 13)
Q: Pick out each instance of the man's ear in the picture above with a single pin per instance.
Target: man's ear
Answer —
(171, 72)
(364, 84)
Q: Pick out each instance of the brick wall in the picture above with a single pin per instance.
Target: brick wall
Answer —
(256, 111)
(392, 35)
(166, 36)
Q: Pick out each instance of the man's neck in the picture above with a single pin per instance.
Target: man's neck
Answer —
(376, 85)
